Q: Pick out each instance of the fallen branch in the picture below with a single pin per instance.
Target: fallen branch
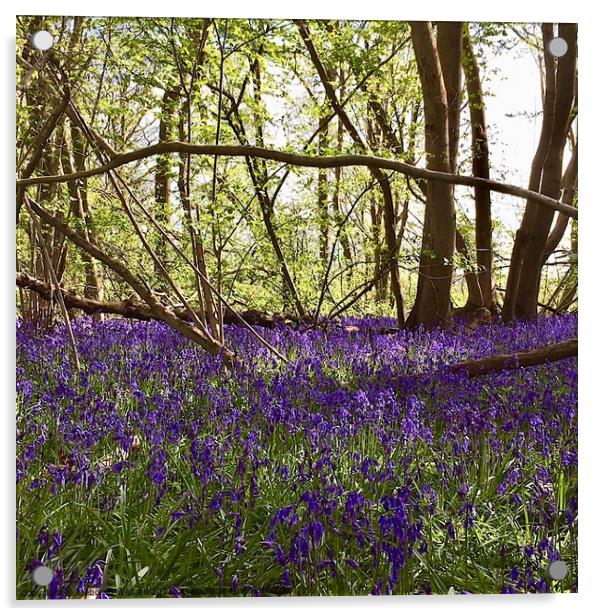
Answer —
(320, 162)
(136, 309)
(511, 361)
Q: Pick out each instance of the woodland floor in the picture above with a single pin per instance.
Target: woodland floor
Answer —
(362, 467)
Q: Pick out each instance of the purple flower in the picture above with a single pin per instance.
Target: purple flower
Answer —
(451, 530)
(95, 575)
(359, 454)
(57, 588)
(157, 468)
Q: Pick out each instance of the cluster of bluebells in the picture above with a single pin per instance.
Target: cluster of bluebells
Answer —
(364, 466)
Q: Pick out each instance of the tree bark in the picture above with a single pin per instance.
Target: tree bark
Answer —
(40, 143)
(449, 48)
(259, 177)
(475, 297)
(546, 173)
(72, 157)
(449, 51)
(336, 206)
(323, 214)
(163, 207)
(569, 189)
(301, 160)
(135, 309)
(511, 361)
(37, 97)
(162, 312)
(480, 168)
(432, 305)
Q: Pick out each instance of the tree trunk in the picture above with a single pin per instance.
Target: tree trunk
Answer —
(380, 286)
(569, 189)
(259, 177)
(336, 206)
(475, 297)
(480, 168)
(522, 289)
(73, 158)
(432, 305)
(163, 208)
(323, 215)
(136, 309)
(449, 48)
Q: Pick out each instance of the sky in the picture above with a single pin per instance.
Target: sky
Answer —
(514, 90)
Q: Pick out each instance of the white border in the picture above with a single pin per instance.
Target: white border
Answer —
(590, 409)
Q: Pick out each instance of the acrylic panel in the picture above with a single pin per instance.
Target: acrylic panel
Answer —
(296, 307)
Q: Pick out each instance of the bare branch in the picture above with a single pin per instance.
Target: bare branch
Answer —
(301, 160)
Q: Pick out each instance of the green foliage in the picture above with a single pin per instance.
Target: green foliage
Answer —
(119, 70)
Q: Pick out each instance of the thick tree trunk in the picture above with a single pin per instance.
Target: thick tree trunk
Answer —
(449, 48)
(546, 173)
(432, 304)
